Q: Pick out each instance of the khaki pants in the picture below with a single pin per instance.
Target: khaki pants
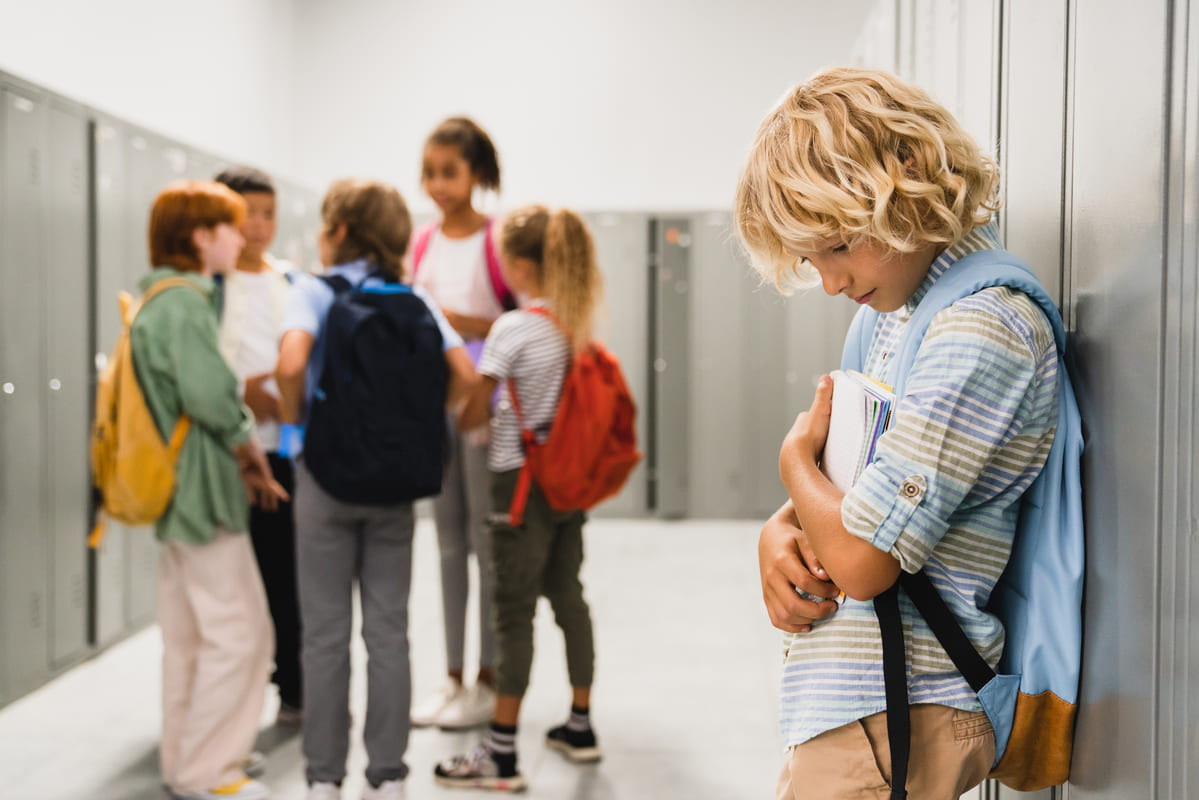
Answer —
(216, 659)
(540, 558)
(952, 752)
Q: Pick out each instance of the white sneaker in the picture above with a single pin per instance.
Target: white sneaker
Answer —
(425, 713)
(387, 790)
(324, 791)
(247, 789)
(472, 708)
(254, 765)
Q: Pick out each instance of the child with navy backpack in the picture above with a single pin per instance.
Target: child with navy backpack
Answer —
(860, 182)
(455, 260)
(370, 365)
(549, 257)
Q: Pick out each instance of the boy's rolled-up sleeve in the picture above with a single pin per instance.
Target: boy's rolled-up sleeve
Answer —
(967, 429)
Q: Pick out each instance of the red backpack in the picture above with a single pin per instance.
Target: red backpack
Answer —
(592, 446)
(420, 243)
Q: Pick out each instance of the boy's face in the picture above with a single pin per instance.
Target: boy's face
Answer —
(869, 274)
(260, 225)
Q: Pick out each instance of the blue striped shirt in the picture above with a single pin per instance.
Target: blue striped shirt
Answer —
(971, 433)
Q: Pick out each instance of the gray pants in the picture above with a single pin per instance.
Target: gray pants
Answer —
(337, 543)
(460, 512)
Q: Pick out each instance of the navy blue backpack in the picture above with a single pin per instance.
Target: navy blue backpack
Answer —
(377, 425)
(1032, 698)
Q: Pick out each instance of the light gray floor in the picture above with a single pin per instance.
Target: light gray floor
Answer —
(684, 702)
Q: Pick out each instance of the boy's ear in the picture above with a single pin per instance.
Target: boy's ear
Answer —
(202, 238)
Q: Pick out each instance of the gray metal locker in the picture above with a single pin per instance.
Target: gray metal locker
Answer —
(668, 450)
(147, 170)
(1033, 137)
(766, 412)
(24, 571)
(1114, 238)
(621, 243)
(111, 189)
(719, 453)
(67, 332)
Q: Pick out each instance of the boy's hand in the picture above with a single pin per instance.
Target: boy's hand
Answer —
(264, 491)
(805, 441)
(788, 564)
(264, 404)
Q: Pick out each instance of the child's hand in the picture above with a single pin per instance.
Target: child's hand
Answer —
(788, 565)
(805, 441)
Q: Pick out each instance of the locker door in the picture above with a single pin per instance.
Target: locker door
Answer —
(669, 451)
(111, 188)
(147, 172)
(621, 242)
(67, 335)
(720, 282)
(766, 413)
(24, 599)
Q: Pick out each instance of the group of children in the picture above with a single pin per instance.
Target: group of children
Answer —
(242, 355)
(856, 180)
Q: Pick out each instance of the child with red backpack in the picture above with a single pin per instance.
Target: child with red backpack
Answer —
(549, 258)
(454, 259)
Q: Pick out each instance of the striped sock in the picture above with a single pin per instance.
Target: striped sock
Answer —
(501, 743)
(580, 719)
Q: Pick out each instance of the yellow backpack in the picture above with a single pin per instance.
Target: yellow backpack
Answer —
(133, 467)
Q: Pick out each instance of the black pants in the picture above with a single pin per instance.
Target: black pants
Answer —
(274, 536)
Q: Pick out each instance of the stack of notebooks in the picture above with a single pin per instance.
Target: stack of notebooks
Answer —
(861, 412)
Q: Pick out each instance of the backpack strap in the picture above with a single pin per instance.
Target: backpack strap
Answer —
(498, 285)
(524, 482)
(895, 686)
(340, 284)
(420, 243)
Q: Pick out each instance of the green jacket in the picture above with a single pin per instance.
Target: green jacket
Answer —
(181, 371)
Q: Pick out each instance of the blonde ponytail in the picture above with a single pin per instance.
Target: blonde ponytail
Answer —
(561, 246)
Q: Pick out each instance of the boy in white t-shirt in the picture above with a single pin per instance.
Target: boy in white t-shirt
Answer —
(255, 297)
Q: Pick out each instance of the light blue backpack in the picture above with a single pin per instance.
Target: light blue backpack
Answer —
(1033, 699)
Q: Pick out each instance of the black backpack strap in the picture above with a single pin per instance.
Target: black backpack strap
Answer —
(895, 681)
(338, 283)
(945, 627)
(974, 668)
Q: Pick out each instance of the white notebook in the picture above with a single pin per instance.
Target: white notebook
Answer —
(861, 412)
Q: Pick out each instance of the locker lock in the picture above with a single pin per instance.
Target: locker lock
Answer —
(9, 388)
(55, 384)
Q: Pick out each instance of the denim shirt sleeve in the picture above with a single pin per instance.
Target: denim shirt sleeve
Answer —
(972, 420)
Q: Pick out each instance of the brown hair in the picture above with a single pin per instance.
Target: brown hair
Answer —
(559, 243)
(474, 144)
(179, 210)
(377, 223)
(856, 155)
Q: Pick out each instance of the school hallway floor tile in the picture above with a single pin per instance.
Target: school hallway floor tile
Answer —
(684, 702)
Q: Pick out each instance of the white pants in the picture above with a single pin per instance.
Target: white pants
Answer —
(217, 648)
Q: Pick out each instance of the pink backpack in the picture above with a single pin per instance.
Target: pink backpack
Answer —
(420, 243)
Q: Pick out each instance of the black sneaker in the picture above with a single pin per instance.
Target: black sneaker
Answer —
(478, 770)
(578, 746)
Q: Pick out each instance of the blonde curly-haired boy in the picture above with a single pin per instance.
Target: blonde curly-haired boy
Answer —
(860, 182)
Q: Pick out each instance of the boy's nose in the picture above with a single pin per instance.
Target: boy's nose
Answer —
(834, 283)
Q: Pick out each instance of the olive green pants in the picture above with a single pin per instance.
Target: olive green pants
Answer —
(540, 557)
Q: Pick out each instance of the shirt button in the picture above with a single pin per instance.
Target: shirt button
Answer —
(910, 489)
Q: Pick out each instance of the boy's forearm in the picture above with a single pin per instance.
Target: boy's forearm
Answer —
(857, 567)
(291, 397)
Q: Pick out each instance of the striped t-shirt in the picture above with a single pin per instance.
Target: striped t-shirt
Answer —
(531, 349)
(971, 432)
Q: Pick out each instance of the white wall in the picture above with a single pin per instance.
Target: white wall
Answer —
(216, 75)
(620, 104)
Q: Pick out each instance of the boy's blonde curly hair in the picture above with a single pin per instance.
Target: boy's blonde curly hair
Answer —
(855, 155)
